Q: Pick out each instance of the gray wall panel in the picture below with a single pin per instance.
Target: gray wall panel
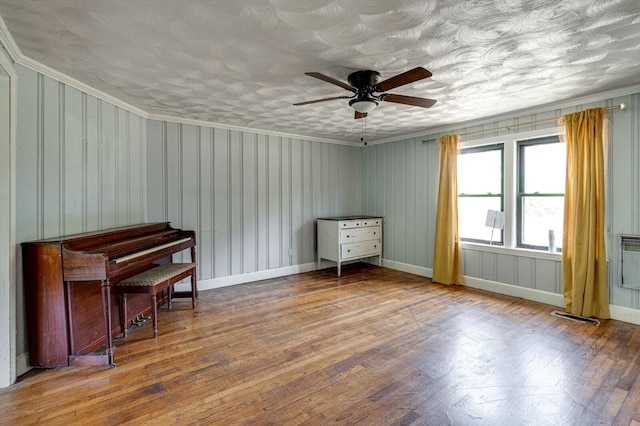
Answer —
(262, 248)
(506, 269)
(249, 203)
(524, 272)
(74, 155)
(489, 264)
(236, 210)
(258, 195)
(48, 108)
(624, 186)
(222, 202)
(545, 275)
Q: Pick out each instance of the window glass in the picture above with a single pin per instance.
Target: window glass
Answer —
(544, 168)
(479, 190)
(480, 172)
(472, 216)
(539, 216)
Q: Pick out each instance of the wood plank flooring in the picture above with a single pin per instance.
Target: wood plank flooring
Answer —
(374, 347)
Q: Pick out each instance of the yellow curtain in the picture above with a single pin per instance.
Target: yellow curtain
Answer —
(446, 257)
(584, 257)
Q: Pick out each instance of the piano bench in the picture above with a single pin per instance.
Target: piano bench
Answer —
(153, 281)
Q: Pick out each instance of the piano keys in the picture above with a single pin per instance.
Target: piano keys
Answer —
(72, 314)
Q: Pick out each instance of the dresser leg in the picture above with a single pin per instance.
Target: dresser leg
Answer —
(338, 268)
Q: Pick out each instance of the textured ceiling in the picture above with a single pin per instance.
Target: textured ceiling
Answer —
(242, 63)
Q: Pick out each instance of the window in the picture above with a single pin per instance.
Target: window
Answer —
(480, 188)
(540, 197)
(523, 178)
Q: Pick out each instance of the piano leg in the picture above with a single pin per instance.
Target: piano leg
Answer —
(194, 276)
(106, 309)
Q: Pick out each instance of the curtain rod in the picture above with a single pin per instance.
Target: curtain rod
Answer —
(611, 108)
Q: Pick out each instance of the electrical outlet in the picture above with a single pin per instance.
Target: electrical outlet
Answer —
(290, 252)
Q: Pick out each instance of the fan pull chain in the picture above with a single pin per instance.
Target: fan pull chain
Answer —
(363, 135)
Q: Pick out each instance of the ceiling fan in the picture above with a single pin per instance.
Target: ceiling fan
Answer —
(366, 83)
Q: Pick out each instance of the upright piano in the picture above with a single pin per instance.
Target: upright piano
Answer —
(72, 314)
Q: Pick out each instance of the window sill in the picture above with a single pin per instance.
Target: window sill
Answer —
(536, 254)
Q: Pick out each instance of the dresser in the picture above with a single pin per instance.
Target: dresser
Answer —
(349, 238)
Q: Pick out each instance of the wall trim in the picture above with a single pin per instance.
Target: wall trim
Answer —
(8, 372)
(223, 126)
(22, 363)
(516, 291)
(14, 51)
(481, 284)
(18, 57)
(510, 115)
(255, 276)
(405, 267)
(619, 313)
(622, 313)
(7, 40)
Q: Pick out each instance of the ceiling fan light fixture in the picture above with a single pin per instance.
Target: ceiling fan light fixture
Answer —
(363, 105)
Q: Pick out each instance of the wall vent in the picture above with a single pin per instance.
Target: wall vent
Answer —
(630, 261)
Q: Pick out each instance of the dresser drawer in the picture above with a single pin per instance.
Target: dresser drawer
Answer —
(362, 249)
(370, 222)
(346, 224)
(359, 234)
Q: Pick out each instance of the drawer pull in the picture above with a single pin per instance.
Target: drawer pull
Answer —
(347, 236)
(375, 246)
(365, 224)
(349, 251)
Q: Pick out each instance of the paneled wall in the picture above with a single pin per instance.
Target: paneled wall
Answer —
(400, 183)
(80, 166)
(251, 198)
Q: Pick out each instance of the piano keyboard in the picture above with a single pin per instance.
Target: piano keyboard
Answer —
(150, 250)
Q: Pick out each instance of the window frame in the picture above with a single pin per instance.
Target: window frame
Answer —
(486, 148)
(520, 194)
(510, 182)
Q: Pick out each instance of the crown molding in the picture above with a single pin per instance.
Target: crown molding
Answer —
(567, 103)
(7, 41)
(204, 123)
(16, 55)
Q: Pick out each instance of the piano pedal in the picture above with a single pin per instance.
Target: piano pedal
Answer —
(139, 320)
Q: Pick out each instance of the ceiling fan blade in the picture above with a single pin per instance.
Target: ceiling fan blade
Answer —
(331, 80)
(322, 100)
(409, 100)
(360, 115)
(402, 79)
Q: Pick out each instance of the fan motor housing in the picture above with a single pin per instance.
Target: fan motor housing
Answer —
(363, 79)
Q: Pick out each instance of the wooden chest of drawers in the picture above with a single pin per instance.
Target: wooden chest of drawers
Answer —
(348, 238)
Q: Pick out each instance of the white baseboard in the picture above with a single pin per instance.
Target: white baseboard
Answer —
(622, 313)
(479, 283)
(619, 313)
(516, 291)
(255, 276)
(405, 267)
(22, 364)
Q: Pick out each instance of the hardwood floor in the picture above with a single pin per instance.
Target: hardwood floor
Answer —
(374, 347)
